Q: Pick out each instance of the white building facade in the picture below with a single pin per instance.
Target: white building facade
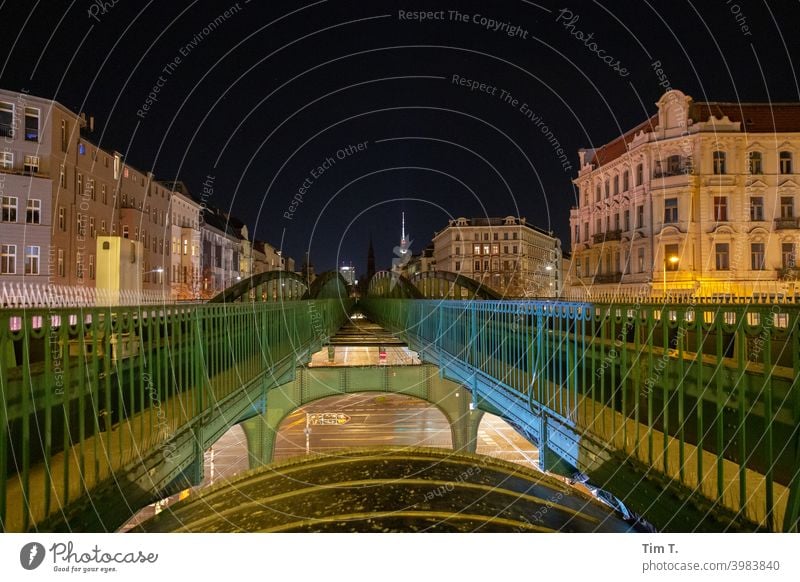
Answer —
(508, 255)
(700, 199)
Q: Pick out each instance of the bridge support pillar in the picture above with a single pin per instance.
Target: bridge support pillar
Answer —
(260, 440)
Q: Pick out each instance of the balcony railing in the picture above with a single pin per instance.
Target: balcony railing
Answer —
(788, 273)
(607, 236)
(785, 223)
(608, 278)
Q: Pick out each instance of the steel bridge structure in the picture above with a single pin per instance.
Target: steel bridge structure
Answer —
(687, 413)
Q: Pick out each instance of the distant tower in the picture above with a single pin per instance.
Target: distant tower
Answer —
(403, 239)
(370, 260)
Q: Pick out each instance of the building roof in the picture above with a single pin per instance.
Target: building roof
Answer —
(754, 118)
(493, 221)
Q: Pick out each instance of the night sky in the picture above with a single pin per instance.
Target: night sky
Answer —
(260, 97)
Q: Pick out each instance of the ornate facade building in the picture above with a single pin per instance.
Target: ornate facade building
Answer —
(508, 255)
(700, 199)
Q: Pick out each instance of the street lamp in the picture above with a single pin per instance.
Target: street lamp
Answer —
(672, 260)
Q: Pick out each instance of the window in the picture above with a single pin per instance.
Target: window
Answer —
(639, 174)
(616, 185)
(754, 163)
(91, 267)
(486, 265)
(673, 165)
(719, 162)
(33, 211)
(9, 209)
(505, 236)
(585, 232)
(102, 227)
(80, 184)
(62, 219)
(626, 182)
(515, 236)
(785, 159)
(32, 255)
(485, 249)
(476, 249)
(60, 262)
(495, 236)
(103, 194)
(787, 206)
(640, 259)
(31, 165)
(125, 231)
(31, 124)
(640, 216)
(92, 231)
(458, 251)
(458, 265)
(577, 235)
(626, 220)
(597, 194)
(8, 259)
(62, 176)
(185, 246)
(6, 119)
(670, 210)
(723, 256)
(90, 188)
(787, 255)
(81, 149)
(79, 266)
(670, 254)
(598, 226)
(7, 160)
(607, 188)
(720, 208)
(756, 208)
(64, 135)
(608, 223)
(757, 256)
(515, 249)
(477, 265)
(505, 249)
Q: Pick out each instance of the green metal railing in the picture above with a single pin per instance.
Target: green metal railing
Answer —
(702, 395)
(88, 392)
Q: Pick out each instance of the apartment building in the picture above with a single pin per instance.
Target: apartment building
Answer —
(508, 255)
(701, 199)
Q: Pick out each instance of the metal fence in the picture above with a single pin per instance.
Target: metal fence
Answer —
(88, 392)
(702, 394)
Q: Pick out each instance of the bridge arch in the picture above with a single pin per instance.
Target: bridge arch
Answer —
(317, 383)
(449, 285)
(266, 286)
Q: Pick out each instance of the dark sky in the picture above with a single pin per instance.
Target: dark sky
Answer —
(265, 96)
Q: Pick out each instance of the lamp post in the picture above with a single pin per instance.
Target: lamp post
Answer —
(672, 260)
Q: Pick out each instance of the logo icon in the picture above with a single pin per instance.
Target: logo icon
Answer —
(31, 555)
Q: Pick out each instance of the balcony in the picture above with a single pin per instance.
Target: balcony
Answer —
(608, 278)
(607, 236)
(786, 223)
(788, 273)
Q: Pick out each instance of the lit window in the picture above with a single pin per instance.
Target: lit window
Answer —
(6, 119)
(7, 160)
(32, 259)
(31, 124)
(31, 165)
